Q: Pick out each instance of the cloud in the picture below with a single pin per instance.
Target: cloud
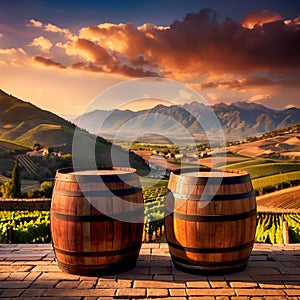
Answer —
(96, 58)
(290, 106)
(48, 62)
(195, 47)
(53, 28)
(199, 46)
(42, 43)
(240, 82)
(1, 35)
(13, 56)
(201, 43)
(297, 20)
(34, 23)
(259, 18)
(88, 50)
(50, 28)
(260, 97)
(9, 51)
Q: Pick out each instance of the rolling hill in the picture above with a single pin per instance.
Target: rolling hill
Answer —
(285, 144)
(238, 120)
(23, 124)
(18, 119)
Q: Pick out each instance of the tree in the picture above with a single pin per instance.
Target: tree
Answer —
(7, 189)
(46, 189)
(34, 193)
(15, 180)
(12, 188)
(37, 146)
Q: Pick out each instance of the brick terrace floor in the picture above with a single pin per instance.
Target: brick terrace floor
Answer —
(30, 272)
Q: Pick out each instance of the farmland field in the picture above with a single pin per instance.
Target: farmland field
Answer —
(273, 180)
(286, 200)
(250, 162)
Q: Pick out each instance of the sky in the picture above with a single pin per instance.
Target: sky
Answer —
(60, 55)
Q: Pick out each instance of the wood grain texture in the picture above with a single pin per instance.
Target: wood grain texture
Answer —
(210, 228)
(87, 238)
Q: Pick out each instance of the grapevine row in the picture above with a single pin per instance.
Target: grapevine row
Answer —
(33, 227)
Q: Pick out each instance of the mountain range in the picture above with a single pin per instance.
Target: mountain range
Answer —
(238, 120)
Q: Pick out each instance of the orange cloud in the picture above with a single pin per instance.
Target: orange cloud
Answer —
(199, 46)
(260, 97)
(43, 61)
(297, 20)
(9, 51)
(244, 83)
(50, 28)
(53, 28)
(89, 50)
(12, 56)
(259, 18)
(290, 106)
(42, 43)
(186, 49)
(34, 23)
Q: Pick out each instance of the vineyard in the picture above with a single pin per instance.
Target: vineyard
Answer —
(270, 227)
(25, 227)
(33, 227)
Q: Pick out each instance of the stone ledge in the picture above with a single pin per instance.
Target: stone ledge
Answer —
(25, 204)
(28, 271)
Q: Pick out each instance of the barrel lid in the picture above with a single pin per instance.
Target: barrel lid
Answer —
(210, 174)
(98, 172)
(83, 174)
(204, 174)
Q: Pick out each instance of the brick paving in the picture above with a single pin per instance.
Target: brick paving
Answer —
(29, 271)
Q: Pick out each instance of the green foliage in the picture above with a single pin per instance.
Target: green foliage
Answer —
(46, 167)
(25, 227)
(258, 171)
(275, 180)
(154, 198)
(12, 188)
(250, 162)
(45, 190)
(294, 227)
(36, 146)
(270, 227)
(152, 182)
(34, 194)
(7, 189)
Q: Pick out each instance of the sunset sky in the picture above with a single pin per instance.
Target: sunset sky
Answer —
(59, 55)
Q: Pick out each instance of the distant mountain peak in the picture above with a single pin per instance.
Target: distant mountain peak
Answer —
(238, 120)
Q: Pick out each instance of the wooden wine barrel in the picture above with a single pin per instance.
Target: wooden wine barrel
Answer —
(94, 223)
(210, 221)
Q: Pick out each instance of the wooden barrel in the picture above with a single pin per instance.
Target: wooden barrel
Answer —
(210, 221)
(94, 220)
